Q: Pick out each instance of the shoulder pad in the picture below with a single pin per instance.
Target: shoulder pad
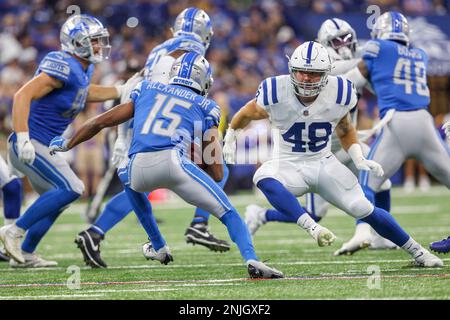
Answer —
(270, 90)
(371, 49)
(344, 91)
(56, 64)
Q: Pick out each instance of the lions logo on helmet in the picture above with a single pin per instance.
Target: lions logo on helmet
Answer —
(338, 35)
(192, 70)
(194, 21)
(85, 37)
(310, 57)
(391, 26)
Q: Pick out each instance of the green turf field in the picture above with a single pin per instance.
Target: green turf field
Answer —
(311, 272)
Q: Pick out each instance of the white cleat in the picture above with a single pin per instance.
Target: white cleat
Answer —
(258, 270)
(423, 258)
(379, 243)
(322, 235)
(162, 255)
(32, 261)
(360, 240)
(255, 217)
(11, 237)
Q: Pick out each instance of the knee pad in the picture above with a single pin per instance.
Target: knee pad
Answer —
(360, 208)
(387, 185)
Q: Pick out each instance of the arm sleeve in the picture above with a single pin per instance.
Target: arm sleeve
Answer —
(55, 66)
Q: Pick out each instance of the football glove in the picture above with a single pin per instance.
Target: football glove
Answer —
(361, 163)
(25, 148)
(125, 89)
(119, 152)
(229, 146)
(58, 144)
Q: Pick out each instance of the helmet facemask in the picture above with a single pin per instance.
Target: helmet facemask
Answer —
(307, 88)
(344, 45)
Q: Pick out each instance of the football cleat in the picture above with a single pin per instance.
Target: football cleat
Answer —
(32, 261)
(89, 244)
(255, 217)
(441, 246)
(377, 242)
(198, 233)
(162, 255)
(258, 270)
(423, 258)
(322, 235)
(11, 237)
(361, 240)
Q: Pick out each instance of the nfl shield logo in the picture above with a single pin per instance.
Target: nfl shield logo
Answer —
(306, 113)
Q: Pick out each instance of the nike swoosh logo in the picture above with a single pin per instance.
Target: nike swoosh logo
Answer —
(95, 247)
(204, 234)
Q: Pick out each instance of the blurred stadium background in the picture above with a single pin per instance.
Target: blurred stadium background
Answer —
(250, 43)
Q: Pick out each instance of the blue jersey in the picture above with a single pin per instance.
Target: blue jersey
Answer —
(168, 116)
(184, 43)
(398, 75)
(51, 114)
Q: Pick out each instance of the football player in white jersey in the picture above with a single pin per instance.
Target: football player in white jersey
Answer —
(304, 108)
(340, 40)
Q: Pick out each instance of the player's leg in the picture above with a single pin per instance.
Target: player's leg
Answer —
(197, 188)
(281, 182)
(340, 187)
(58, 185)
(198, 232)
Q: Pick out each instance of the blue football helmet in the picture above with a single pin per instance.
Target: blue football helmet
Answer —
(85, 37)
(192, 70)
(391, 25)
(194, 22)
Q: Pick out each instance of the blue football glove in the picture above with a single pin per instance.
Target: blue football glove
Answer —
(58, 144)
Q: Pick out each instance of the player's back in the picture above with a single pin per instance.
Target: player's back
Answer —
(51, 114)
(167, 115)
(398, 75)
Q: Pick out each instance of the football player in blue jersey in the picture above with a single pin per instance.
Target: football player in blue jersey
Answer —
(165, 118)
(397, 72)
(192, 32)
(442, 246)
(42, 108)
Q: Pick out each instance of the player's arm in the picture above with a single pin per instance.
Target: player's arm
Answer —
(346, 133)
(97, 93)
(251, 111)
(90, 128)
(36, 88)
(212, 154)
(359, 75)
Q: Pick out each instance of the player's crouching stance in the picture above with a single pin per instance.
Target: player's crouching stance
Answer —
(44, 107)
(164, 118)
(304, 109)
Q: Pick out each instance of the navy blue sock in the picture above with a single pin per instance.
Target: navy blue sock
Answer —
(282, 200)
(48, 202)
(386, 226)
(117, 208)
(274, 215)
(38, 231)
(143, 209)
(12, 199)
(202, 216)
(383, 200)
(239, 234)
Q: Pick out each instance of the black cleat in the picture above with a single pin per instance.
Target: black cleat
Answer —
(259, 270)
(89, 244)
(198, 233)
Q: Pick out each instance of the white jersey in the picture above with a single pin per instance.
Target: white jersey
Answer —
(303, 132)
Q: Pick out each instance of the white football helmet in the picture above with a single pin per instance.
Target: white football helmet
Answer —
(192, 70)
(340, 36)
(391, 25)
(309, 57)
(195, 22)
(80, 33)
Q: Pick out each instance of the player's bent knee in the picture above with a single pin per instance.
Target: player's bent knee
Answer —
(360, 208)
(387, 185)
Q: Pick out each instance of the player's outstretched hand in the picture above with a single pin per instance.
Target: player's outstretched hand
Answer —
(58, 144)
(446, 128)
(229, 146)
(25, 148)
(119, 152)
(370, 165)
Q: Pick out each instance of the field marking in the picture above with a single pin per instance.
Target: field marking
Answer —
(50, 296)
(212, 282)
(157, 266)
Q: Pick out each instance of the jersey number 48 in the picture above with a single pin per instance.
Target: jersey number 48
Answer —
(316, 142)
